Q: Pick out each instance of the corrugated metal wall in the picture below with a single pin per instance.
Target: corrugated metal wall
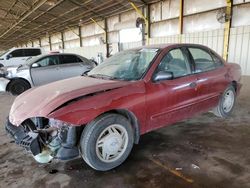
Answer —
(239, 45)
(212, 39)
(239, 50)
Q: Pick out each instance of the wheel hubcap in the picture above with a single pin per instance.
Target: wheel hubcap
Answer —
(18, 89)
(112, 143)
(228, 101)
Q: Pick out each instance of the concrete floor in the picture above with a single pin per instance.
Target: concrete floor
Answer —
(202, 152)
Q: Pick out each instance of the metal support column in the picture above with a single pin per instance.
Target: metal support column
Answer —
(105, 29)
(146, 19)
(181, 20)
(106, 38)
(62, 39)
(40, 43)
(80, 35)
(148, 31)
(227, 27)
(50, 45)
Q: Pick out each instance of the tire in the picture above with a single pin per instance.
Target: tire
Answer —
(1, 65)
(113, 148)
(226, 103)
(16, 87)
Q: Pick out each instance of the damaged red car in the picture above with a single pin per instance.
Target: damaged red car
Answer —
(102, 114)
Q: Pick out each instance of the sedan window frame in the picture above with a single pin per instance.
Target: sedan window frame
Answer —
(207, 50)
(185, 54)
(44, 58)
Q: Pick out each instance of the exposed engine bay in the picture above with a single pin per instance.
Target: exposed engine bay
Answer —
(46, 139)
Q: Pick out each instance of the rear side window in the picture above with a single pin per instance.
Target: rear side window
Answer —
(66, 59)
(85, 61)
(32, 52)
(17, 53)
(203, 60)
(176, 63)
(217, 60)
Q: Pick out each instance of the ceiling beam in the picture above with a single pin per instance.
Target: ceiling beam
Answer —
(100, 7)
(61, 27)
(12, 5)
(39, 15)
(36, 6)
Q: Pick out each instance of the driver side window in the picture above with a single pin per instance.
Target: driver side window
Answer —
(48, 61)
(176, 63)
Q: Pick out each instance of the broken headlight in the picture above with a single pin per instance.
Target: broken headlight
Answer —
(58, 124)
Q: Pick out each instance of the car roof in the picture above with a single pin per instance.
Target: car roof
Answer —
(55, 54)
(15, 48)
(162, 46)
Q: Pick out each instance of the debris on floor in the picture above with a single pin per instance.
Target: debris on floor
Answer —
(195, 166)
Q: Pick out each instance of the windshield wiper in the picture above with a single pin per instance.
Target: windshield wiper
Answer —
(102, 76)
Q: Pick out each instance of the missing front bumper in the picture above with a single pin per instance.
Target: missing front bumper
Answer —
(3, 84)
(36, 142)
(29, 141)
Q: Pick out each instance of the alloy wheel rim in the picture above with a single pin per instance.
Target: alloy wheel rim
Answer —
(228, 101)
(112, 143)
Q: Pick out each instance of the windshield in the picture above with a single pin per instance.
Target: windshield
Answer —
(31, 60)
(126, 65)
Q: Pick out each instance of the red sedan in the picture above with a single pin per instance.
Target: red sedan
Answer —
(101, 114)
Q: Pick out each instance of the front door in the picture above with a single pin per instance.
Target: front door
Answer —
(47, 71)
(172, 100)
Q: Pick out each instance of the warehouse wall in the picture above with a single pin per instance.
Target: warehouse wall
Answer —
(199, 26)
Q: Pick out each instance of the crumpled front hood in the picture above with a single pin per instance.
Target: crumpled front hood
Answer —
(41, 101)
(9, 71)
(10, 68)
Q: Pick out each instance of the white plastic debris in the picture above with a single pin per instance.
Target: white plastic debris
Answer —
(195, 166)
(178, 169)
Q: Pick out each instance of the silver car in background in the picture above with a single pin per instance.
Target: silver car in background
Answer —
(42, 70)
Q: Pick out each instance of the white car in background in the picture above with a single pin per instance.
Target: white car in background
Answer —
(18, 56)
(42, 70)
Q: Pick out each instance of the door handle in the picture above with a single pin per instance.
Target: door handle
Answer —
(193, 85)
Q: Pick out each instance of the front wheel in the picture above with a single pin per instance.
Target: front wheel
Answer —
(18, 86)
(107, 141)
(226, 103)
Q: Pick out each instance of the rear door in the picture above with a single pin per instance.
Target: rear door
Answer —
(48, 70)
(210, 73)
(169, 101)
(72, 65)
(30, 52)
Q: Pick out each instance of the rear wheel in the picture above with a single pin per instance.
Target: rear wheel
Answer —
(107, 141)
(1, 65)
(16, 87)
(226, 103)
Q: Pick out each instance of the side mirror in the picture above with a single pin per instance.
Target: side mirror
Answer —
(8, 56)
(163, 75)
(85, 73)
(35, 65)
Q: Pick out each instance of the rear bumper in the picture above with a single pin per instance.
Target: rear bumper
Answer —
(3, 84)
(29, 141)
